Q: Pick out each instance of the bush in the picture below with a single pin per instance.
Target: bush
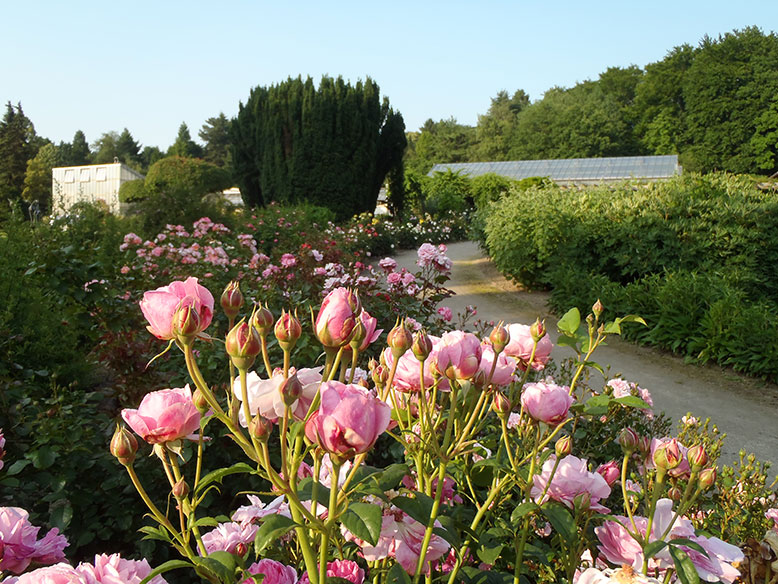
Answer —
(447, 192)
(132, 191)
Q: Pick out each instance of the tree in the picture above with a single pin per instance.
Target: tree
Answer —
(331, 146)
(17, 146)
(441, 142)
(127, 149)
(149, 156)
(184, 145)
(37, 179)
(496, 127)
(215, 133)
(105, 149)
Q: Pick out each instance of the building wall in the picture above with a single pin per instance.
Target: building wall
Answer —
(92, 183)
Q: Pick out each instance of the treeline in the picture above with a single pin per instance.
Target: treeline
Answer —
(714, 104)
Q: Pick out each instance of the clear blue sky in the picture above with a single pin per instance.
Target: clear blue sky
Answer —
(148, 66)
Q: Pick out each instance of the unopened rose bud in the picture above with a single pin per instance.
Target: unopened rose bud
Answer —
(697, 457)
(372, 364)
(357, 335)
(538, 330)
(380, 375)
(198, 398)
(707, 477)
(287, 331)
(644, 446)
(563, 446)
(479, 379)
(243, 345)
(628, 440)
(667, 455)
(583, 501)
(499, 337)
(232, 299)
(186, 324)
(422, 345)
(675, 493)
(180, 489)
(262, 319)
(399, 339)
(501, 404)
(124, 445)
(241, 550)
(291, 389)
(597, 308)
(260, 427)
(363, 382)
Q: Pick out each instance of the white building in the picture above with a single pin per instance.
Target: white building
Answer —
(92, 183)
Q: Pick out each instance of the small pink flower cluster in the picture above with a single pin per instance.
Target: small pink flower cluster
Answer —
(434, 257)
(21, 546)
(623, 388)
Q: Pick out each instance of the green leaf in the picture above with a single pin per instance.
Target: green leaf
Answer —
(597, 405)
(690, 544)
(166, 567)
(218, 475)
(489, 547)
(61, 512)
(364, 521)
(397, 575)
(272, 529)
(42, 458)
(684, 566)
(522, 509)
(305, 492)
(570, 322)
(633, 401)
(654, 548)
(419, 507)
(221, 564)
(17, 467)
(561, 520)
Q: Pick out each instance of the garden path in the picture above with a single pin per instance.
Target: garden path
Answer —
(745, 409)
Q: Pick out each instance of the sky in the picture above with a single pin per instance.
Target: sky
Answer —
(149, 66)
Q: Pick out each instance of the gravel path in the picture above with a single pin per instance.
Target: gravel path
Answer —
(743, 408)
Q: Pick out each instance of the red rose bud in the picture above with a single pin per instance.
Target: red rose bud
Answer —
(291, 389)
(287, 331)
(124, 445)
(243, 345)
(538, 330)
(499, 337)
(198, 398)
(668, 455)
(479, 379)
(422, 345)
(563, 446)
(707, 477)
(262, 319)
(399, 339)
(186, 324)
(501, 404)
(260, 427)
(697, 457)
(180, 489)
(380, 375)
(628, 440)
(675, 493)
(232, 299)
(644, 446)
(241, 550)
(597, 308)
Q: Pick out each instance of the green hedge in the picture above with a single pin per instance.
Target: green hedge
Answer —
(696, 256)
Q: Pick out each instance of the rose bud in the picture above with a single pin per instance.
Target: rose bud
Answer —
(241, 550)
(180, 489)
(644, 446)
(262, 320)
(243, 345)
(597, 308)
(422, 345)
(610, 471)
(667, 455)
(198, 398)
(287, 331)
(501, 404)
(380, 375)
(399, 339)
(123, 445)
(707, 477)
(186, 324)
(499, 337)
(459, 355)
(697, 457)
(358, 335)
(232, 299)
(291, 389)
(338, 315)
(563, 446)
(260, 427)
(628, 440)
(582, 501)
(538, 330)
(675, 493)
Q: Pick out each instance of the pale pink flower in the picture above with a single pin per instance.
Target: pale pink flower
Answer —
(572, 478)
(345, 569)
(125, 270)
(114, 569)
(61, 573)
(513, 421)
(407, 376)
(337, 317)
(520, 346)
(160, 305)
(265, 397)
(620, 387)
(445, 313)
(164, 416)
(610, 471)
(408, 545)
(274, 572)
(349, 419)
(458, 355)
(394, 278)
(413, 323)
(317, 255)
(388, 264)
(371, 332)
(288, 260)
(719, 564)
(227, 536)
(21, 545)
(546, 402)
(504, 371)
(257, 509)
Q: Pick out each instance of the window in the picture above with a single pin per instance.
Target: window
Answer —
(70, 176)
(84, 175)
(100, 174)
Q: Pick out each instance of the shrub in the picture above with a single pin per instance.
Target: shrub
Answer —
(447, 192)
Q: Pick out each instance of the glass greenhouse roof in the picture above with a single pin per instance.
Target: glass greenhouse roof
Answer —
(574, 169)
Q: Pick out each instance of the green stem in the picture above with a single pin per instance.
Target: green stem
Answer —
(331, 518)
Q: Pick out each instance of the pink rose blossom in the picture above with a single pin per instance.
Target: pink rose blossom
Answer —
(164, 416)
(371, 333)
(610, 471)
(445, 313)
(345, 569)
(408, 545)
(458, 355)
(388, 264)
(288, 260)
(337, 317)
(21, 545)
(257, 509)
(349, 419)
(61, 573)
(114, 569)
(274, 572)
(160, 305)
(546, 402)
(266, 400)
(227, 536)
(571, 478)
(520, 346)
(504, 371)
(407, 376)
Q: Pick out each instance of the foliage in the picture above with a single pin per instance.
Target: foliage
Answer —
(133, 191)
(184, 146)
(330, 146)
(17, 146)
(37, 179)
(215, 133)
(447, 192)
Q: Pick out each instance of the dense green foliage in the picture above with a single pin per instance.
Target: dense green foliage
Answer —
(696, 256)
(331, 146)
(713, 104)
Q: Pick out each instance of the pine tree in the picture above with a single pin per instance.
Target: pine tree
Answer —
(17, 146)
(216, 135)
(79, 154)
(184, 145)
(127, 149)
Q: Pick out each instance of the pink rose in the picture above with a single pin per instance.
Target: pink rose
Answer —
(407, 376)
(57, 574)
(164, 416)
(520, 346)
(408, 545)
(160, 305)
(572, 478)
(265, 396)
(227, 537)
(546, 402)
(337, 317)
(274, 572)
(345, 569)
(504, 370)
(445, 313)
(459, 355)
(674, 450)
(610, 471)
(21, 545)
(371, 333)
(114, 569)
(349, 419)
